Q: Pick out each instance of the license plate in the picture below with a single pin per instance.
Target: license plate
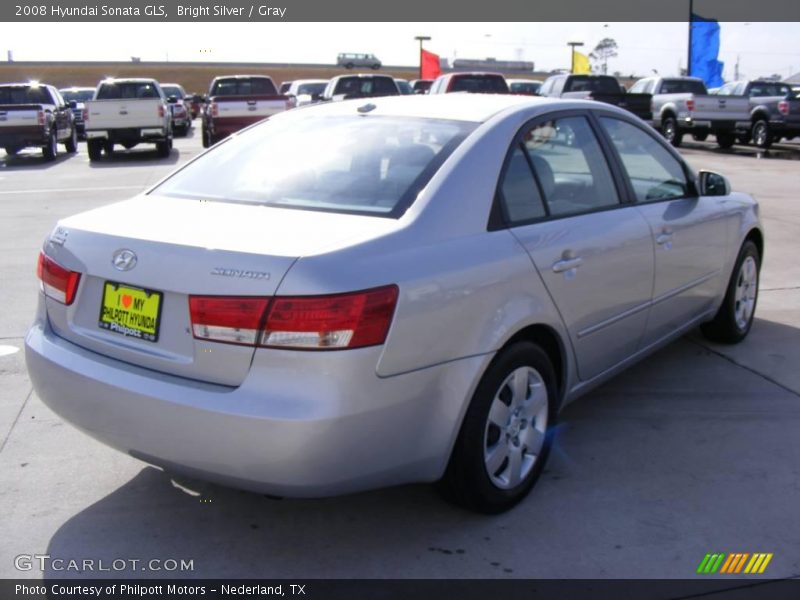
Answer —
(129, 311)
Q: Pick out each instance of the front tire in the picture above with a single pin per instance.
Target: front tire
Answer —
(762, 136)
(504, 440)
(671, 131)
(735, 317)
(50, 150)
(725, 140)
(71, 145)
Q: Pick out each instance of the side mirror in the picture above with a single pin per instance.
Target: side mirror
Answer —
(73, 104)
(172, 99)
(713, 184)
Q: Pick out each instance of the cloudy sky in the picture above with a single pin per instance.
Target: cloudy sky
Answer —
(762, 49)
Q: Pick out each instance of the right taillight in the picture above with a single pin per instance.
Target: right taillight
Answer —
(58, 282)
(214, 109)
(40, 117)
(334, 322)
(783, 107)
(85, 115)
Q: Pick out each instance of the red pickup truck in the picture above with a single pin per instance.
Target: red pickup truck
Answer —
(33, 114)
(236, 101)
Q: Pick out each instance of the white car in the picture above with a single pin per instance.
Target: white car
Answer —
(306, 91)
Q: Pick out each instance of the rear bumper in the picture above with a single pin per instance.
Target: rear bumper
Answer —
(120, 136)
(222, 128)
(302, 424)
(23, 139)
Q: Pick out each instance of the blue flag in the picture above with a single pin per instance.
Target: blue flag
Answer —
(705, 50)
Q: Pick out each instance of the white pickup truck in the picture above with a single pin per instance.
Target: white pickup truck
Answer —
(237, 101)
(127, 112)
(683, 105)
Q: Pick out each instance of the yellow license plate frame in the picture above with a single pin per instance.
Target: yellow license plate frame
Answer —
(131, 311)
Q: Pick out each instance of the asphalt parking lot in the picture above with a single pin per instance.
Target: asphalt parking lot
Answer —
(694, 450)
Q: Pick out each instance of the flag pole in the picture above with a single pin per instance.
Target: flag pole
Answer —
(689, 54)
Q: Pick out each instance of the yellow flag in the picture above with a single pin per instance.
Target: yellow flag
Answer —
(580, 64)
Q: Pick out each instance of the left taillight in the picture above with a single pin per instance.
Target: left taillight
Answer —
(334, 322)
(57, 282)
(161, 111)
(783, 107)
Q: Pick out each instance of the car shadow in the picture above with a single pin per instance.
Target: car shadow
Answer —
(135, 157)
(33, 160)
(776, 152)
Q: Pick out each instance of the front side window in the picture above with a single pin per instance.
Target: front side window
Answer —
(351, 164)
(570, 166)
(653, 172)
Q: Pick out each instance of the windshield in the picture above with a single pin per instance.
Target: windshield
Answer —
(77, 95)
(479, 84)
(352, 164)
(244, 87)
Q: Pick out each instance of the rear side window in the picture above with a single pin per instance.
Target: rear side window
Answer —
(479, 84)
(570, 167)
(127, 91)
(244, 87)
(520, 195)
(351, 164)
(654, 173)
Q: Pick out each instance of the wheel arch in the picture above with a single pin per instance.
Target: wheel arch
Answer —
(755, 236)
(550, 341)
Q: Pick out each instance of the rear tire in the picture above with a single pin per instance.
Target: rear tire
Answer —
(734, 318)
(700, 137)
(505, 437)
(50, 150)
(95, 148)
(108, 148)
(761, 134)
(671, 131)
(71, 145)
(206, 138)
(725, 140)
(11, 151)
(163, 149)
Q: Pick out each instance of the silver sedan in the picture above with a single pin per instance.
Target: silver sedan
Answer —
(370, 293)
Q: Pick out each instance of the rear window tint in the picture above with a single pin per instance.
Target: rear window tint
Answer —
(359, 87)
(479, 84)
(683, 86)
(603, 85)
(24, 95)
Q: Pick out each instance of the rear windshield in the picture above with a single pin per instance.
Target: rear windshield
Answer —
(173, 90)
(683, 86)
(363, 87)
(422, 85)
(311, 88)
(77, 96)
(244, 87)
(602, 85)
(127, 90)
(350, 164)
(24, 95)
(479, 84)
(762, 89)
(525, 87)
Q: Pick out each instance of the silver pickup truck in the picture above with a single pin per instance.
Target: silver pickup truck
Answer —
(774, 111)
(127, 112)
(683, 105)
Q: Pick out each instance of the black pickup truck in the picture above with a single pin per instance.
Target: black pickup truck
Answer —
(602, 88)
(34, 114)
(774, 111)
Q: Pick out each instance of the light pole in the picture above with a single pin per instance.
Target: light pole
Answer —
(573, 45)
(421, 38)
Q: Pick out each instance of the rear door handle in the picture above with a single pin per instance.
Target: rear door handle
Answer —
(567, 264)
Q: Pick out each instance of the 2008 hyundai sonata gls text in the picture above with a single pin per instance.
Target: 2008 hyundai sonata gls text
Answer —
(357, 295)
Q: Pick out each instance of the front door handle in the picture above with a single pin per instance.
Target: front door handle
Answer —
(567, 264)
(665, 236)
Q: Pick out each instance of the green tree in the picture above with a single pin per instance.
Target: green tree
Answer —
(605, 49)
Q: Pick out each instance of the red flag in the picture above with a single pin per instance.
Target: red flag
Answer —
(429, 65)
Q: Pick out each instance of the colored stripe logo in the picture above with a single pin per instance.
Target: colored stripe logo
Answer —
(732, 564)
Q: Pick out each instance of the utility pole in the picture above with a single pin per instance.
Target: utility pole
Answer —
(689, 61)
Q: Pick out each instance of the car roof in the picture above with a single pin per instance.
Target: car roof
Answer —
(458, 107)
